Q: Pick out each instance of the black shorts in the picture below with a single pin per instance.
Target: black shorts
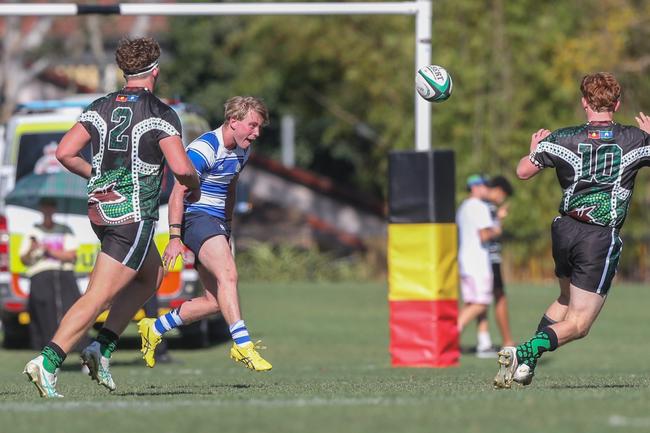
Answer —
(497, 285)
(127, 243)
(198, 227)
(586, 253)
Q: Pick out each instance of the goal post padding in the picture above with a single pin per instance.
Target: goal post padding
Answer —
(422, 259)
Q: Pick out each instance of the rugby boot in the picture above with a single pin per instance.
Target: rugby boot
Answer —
(524, 374)
(247, 354)
(98, 365)
(507, 362)
(44, 381)
(150, 340)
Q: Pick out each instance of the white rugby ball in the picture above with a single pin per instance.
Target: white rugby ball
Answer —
(433, 83)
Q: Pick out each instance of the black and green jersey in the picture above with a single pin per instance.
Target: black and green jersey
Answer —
(596, 166)
(127, 163)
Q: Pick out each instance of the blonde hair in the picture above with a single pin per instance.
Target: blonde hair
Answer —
(601, 90)
(238, 107)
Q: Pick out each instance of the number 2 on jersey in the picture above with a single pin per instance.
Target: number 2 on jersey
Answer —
(608, 162)
(117, 139)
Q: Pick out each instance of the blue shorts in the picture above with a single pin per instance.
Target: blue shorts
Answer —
(198, 227)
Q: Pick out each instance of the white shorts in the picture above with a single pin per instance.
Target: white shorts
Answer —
(477, 290)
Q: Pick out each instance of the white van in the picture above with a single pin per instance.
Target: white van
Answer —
(31, 135)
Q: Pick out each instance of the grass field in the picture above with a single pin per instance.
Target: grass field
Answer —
(329, 347)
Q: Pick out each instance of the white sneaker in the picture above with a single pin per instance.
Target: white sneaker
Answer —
(485, 352)
(523, 374)
(507, 365)
(44, 381)
(98, 365)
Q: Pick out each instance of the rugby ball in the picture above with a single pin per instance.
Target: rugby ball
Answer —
(433, 83)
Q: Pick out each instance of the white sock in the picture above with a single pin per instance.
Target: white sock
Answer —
(484, 341)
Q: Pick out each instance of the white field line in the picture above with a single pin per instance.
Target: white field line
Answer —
(626, 421)
(63, 406)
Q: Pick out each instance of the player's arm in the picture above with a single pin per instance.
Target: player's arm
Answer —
(526, 169)
(175, 216)
(175, 207)
(179, 163)
(69, 148)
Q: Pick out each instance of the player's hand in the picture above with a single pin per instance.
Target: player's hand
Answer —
(537, 137)
(174, 249)
(502, 212)
(192, 195)
(644, 122)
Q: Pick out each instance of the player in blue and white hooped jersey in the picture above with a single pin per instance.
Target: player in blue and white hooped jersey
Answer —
(219, 169)
(204, 227)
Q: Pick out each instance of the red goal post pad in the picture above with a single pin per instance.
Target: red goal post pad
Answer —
(424, 333)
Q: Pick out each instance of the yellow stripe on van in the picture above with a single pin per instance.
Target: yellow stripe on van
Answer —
(33, 127)
(86, 254)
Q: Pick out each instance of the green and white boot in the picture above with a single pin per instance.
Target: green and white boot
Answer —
(98, 365)
(44, 381)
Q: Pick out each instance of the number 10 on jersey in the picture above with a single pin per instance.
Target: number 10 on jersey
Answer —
(607, 168)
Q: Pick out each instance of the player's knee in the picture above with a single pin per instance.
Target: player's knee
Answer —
(228, 281)
(213, 307)
(582, 329)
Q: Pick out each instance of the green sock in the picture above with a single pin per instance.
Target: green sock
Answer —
(529, 352)
(51, 359)
(107, 342)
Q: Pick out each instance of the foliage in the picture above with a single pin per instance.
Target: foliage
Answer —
(265, 262)
(349, 80)
(350, 93)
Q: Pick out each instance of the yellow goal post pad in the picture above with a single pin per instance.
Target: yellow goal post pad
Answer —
(422, 262)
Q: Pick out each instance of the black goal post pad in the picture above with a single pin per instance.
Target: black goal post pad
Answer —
(422, 187)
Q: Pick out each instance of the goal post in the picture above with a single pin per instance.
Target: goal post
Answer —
(421, 9)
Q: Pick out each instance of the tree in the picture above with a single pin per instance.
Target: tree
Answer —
(16, 48)
(516, 68)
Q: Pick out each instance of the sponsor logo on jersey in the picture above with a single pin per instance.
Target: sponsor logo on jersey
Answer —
(594, 135)
(127, 98)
